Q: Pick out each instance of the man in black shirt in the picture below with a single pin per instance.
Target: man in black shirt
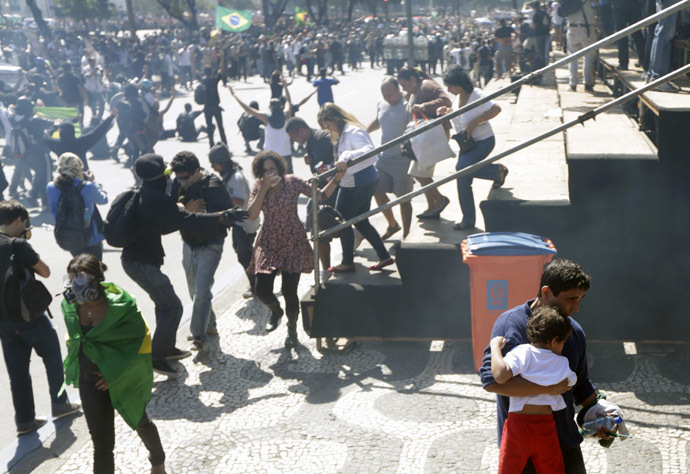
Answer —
(18, 336)
(212, 104)
(186, 129)
(71, 91)
(200, 191)
(541, 24)
(504, 52)
(157, 214)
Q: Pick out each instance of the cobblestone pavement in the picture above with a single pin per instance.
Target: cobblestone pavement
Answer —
(246, 405)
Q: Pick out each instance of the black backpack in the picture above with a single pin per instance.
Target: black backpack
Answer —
(20, 287)
(200, 94)
(72, 231)
(568, 7)
(120, 224)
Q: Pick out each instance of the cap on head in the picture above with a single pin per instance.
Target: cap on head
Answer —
(146, 84)
(219, 153)
(149, 167)
(70, 166)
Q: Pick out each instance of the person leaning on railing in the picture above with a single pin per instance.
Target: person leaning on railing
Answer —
(357, 186)
(476, 139)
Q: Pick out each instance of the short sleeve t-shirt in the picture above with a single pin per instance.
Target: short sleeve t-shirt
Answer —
(482, 131)
(540, 366)
(24, 255)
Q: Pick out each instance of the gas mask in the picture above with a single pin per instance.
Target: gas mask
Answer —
(79, 288)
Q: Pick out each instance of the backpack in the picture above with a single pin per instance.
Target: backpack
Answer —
(568, 7)
(72, 231)
(19, 142)
(20, 285)
(120, 224)
(200, 94)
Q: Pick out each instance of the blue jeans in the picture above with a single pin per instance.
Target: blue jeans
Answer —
(200, 264)
(352, 202)
(465, 195)
(168, 306)
(660, 59)
(18, 340)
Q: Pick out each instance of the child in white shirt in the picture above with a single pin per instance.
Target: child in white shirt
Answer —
(530, 431)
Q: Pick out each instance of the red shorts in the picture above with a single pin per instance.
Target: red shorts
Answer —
(530, 436)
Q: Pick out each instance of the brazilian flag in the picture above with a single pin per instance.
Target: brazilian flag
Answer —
(60, 113)
(302, 17)
(233, 20)
(120, 346)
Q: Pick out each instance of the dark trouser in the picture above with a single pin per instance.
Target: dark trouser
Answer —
(623, 16)
(243, 244)
(100, 418)
(264, 289)
(261, 137)
(465, 195)
(352, 202)
(42, 167)
(18, 340)
(168, 307)
(572, 458)
(210, 113)
(22, 171)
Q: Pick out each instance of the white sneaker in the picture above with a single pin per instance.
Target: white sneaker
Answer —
(325, 275)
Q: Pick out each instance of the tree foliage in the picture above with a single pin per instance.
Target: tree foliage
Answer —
(38, 18)
(83, 10)
(183, 11)
(321, 17)
(272, 9)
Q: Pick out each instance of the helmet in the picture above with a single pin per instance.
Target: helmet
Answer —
(146, 84)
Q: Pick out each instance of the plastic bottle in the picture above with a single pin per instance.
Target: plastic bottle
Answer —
(607, 422)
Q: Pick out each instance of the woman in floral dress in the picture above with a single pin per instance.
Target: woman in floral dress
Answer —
(282, 244)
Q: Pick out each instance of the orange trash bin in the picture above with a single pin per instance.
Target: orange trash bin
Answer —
(505, 270)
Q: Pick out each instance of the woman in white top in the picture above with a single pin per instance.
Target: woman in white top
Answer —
(357, 185)
(276, 138)
(473, 124)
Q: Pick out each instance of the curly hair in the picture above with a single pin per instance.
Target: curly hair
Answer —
(546, 324)
(261, 157)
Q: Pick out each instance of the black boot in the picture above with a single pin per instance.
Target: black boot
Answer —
(291, 340)
(276, 314)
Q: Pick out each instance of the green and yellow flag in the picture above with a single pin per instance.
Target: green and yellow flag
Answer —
(57, 113)
(233, 20)
(120, 346)
(302, 17)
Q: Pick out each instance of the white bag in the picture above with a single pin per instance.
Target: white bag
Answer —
(431, 146)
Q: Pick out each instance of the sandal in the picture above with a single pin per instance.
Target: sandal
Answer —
(390, 231)
(342, 269)
(462, 226)
(502, 173)
(382, 264)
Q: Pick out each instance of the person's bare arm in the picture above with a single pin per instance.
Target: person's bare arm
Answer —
(519, 387)
(288, 104)
(304, 101)
(374, 125)
(485, 117)
(41, 269)
(250, 110)
(167, 107)
(499, 369)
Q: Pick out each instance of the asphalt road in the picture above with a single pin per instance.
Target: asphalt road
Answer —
(358, 93)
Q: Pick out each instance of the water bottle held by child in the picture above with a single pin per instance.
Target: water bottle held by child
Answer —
(609, 423)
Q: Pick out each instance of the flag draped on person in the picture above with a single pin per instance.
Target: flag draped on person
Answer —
(120, 346)
(233, 20)
(302, 17)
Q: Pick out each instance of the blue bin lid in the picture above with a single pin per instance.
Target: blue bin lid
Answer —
(508, 243)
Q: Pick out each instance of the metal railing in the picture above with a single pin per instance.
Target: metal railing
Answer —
(316, 235)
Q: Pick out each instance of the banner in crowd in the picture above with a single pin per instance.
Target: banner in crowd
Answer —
(233, 20)
(302, 17)
(68, 114)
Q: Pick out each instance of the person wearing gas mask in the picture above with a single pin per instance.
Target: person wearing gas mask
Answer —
(157, 214)
(20, 337)
(109, 360)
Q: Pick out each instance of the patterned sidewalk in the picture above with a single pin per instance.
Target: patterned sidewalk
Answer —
(246, 405)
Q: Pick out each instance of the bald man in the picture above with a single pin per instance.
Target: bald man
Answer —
(391, 118)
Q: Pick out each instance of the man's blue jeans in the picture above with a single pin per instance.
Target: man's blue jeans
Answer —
(200, 264)
(660, 58)
(168, 306)
(465, 194)
(18, 340)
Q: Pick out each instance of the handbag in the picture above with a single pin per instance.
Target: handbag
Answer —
(328, 217)
(466, 142)
(431, 146)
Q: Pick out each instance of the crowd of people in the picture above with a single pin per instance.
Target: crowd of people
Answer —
(127, 78)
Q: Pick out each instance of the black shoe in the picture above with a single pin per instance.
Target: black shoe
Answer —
(177, 354)
(26, 428)
(589, 88)
(163, 368)
(276, 314)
